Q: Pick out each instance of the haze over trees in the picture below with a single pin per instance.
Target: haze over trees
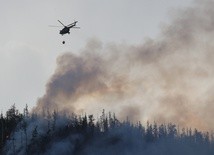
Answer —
(58, 133)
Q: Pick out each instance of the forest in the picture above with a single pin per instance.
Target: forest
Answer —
(54, 133)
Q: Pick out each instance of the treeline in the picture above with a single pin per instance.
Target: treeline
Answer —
(9, 122)
(57, 133)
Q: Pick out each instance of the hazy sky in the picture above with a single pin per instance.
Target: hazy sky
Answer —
(29, 47)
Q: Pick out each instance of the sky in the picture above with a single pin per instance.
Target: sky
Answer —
(29, 47)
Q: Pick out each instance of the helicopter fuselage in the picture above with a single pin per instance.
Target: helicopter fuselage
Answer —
(65, 30)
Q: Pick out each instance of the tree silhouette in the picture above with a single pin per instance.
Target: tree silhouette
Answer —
(32, 134)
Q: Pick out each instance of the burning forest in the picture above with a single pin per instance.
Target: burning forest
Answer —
(57, 133)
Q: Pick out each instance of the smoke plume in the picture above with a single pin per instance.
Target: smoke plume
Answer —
(166, 79)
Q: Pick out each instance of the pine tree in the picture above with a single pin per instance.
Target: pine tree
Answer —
(54, 115)
(155, 131)
(26, 112)
(91, 124)
(2, 131)
(149, 133)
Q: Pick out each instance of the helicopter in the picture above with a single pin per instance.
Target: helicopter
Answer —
(66, 29)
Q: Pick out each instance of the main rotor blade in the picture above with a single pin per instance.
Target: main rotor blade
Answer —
(70, 25)
(61, 22)
(76, 27)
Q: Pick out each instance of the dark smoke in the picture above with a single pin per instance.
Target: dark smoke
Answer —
(167, 79)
